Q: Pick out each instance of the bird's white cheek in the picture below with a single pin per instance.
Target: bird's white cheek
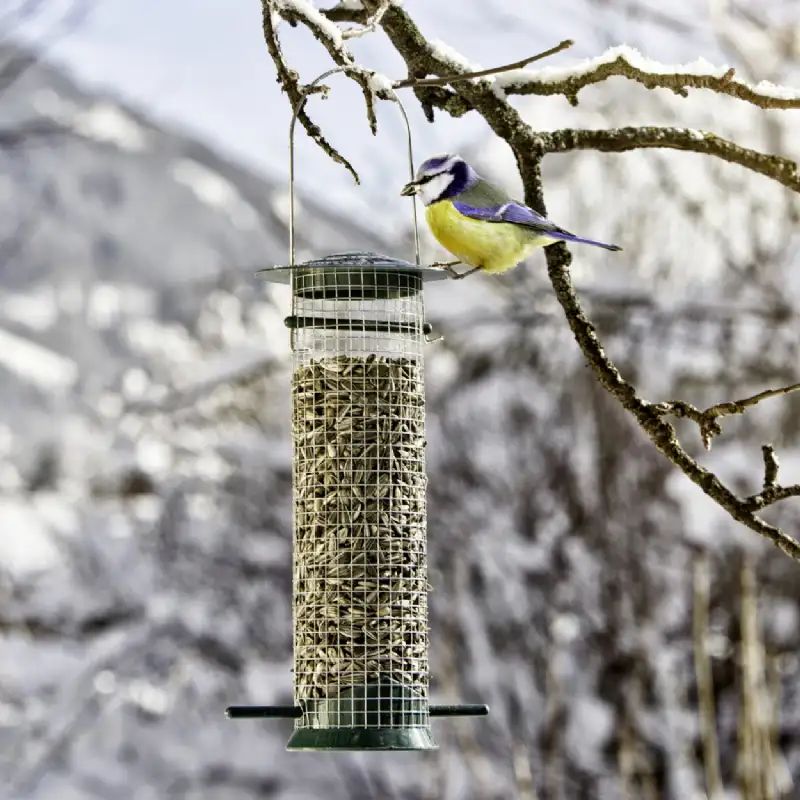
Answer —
(432, 190)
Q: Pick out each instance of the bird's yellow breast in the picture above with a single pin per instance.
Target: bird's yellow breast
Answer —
(494, 246)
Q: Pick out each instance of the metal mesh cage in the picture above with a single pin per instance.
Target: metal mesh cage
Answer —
(360, 605)
(360, 563)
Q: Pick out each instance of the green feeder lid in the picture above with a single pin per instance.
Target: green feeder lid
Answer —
(353, 275)
(354, 260)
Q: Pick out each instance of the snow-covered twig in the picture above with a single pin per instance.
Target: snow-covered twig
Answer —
(331, 37)
(370, 23)
(290, 81)
(482, 73)
(620, 61)
(626, 62)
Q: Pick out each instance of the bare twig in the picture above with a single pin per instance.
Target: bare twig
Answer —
(708, 420)
(446, 79)
(771, 494)
(771, 466)
(620, 140)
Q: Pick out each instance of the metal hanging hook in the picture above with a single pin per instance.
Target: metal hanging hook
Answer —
(306, 91)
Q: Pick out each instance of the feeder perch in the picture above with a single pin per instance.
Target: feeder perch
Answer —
(360, 602)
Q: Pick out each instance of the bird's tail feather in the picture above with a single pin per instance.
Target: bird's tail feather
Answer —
(569, 237)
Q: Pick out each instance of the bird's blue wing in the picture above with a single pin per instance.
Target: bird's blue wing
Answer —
(517, 214)
(512, 212)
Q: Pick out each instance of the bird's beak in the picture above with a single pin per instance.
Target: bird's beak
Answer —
(410, 189)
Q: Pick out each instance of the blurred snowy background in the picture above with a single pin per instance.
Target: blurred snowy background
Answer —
(144, 454)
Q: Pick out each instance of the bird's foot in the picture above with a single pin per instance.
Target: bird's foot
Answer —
(457, 276)
(446, 265)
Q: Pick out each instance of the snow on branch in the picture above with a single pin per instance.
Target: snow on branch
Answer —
(370, 23)
(460, 87)
(626, 62)
(332, 39)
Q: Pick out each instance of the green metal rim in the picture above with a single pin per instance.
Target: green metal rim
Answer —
(417, 738)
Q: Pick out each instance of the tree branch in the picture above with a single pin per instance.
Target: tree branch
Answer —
(661, 433)
(628, 63)
(369, 24)
(620, 140)
(443, 81)
(773, 491)
(771, 466)
(708, 420)
(290, 82)
(530, 146)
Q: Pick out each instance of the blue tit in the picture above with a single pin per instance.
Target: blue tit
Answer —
(478, 222)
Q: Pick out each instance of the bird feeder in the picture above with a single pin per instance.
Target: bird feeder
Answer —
(359, 588)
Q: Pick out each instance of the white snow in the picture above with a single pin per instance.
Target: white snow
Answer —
(36, 364)
(699, 67)
(57, 510)
(306, 9)
(380, 83)
(50, 104)
(782, 621)
(589, 726)
(26, 545)
(134, 383)
(522, 586)
(37, 308)
(105, 682)
(445, 52)
(6, 439)
(565, 628)
(105, 122)
(70, 296)
(767, 89)
(154, 456)
(214, 190)
(103, 306)
(152, 338)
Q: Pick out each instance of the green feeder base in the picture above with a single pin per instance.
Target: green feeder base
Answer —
(362, 739)
(376, 717)
(379, 716)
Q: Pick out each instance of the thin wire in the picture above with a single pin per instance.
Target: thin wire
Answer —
(306, 90)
